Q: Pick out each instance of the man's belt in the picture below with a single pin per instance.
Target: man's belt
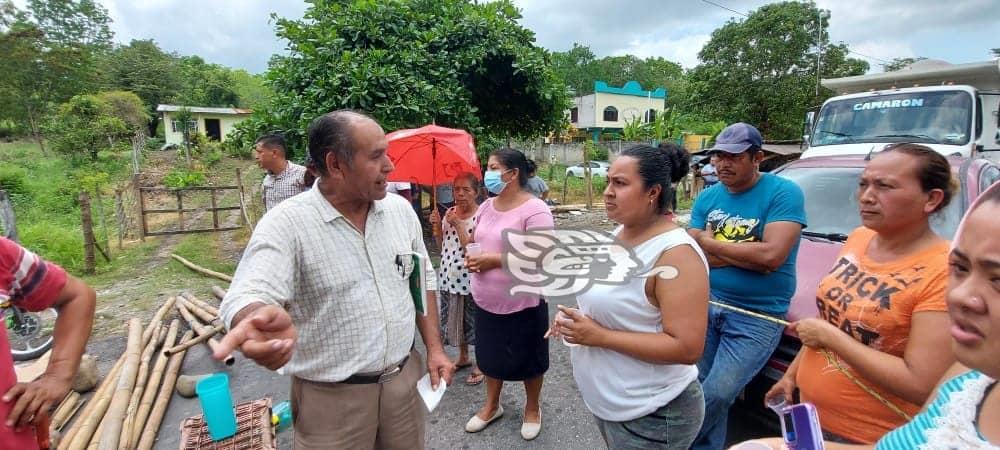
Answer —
(377, 377)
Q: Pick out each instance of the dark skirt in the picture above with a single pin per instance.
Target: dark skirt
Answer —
(512, 347)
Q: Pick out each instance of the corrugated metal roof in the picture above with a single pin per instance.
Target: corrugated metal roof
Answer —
(203, 110)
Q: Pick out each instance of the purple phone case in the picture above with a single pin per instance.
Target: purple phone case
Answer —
(800, 427)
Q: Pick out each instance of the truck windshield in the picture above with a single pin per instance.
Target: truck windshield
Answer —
(941, 117)
(831, 195)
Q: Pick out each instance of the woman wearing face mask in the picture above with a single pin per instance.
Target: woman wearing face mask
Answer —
(510, 330)
(965, 408)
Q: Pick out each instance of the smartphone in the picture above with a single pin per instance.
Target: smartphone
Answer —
(800, 427)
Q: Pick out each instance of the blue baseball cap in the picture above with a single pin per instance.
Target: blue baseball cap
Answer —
(737, 138)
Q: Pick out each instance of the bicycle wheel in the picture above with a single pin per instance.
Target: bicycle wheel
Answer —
(30, 333)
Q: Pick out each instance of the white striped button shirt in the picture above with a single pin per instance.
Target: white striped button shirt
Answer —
(347, 293)
(282, 186)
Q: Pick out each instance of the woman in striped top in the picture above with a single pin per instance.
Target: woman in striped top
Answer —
(965, 412)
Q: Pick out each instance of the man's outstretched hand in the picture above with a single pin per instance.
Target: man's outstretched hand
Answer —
(266, 336)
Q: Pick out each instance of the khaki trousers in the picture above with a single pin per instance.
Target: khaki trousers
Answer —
(361, 416)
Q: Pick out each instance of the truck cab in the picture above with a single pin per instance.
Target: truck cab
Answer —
(952, 108)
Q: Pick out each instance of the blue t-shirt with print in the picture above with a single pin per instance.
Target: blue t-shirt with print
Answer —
(741, 218)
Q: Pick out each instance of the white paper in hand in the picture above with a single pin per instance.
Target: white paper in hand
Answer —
(429, 395)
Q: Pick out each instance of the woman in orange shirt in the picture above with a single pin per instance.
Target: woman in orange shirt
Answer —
(882, 310)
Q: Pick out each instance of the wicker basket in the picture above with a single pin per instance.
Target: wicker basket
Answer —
(254, 430)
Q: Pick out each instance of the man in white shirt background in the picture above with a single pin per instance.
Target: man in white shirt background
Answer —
(400, 189)
(284, 178)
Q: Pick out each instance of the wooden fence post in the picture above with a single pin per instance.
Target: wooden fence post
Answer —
(7, 216)
(563, 199)
(243, 200)
(120, 217)
(141, 206)
(215, 212)
(87, 223)
(180, 209)
(105, 239)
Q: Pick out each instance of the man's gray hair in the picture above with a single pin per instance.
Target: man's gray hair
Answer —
(331, 132)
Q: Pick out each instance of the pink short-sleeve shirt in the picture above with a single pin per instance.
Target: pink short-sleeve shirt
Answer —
(491, 289)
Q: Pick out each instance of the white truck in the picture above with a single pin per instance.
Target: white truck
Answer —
(952, 108)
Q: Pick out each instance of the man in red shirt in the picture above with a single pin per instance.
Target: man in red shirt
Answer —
(32, 284)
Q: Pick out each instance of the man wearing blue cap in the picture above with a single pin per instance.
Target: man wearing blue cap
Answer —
(748, 225)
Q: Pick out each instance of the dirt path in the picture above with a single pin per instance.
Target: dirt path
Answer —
(150, 275)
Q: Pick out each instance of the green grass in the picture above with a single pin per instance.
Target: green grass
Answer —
(576, 188)
(203, 250)
(576, 193)
(46, 204)
(46, 188)
(123, 264)
(48, 220)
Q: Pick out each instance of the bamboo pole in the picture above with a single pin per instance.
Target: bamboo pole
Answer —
(69, 415)
(208, 307)
(157, 319)
(163, 398)
(65, 410)
(201, 329)
(119, 401)
(62, 403)
(202, 270)
(140, 385)
(96, 439)
(92, 414)
(188, 343)
(204, 316)
(219, 293)
(146, 403)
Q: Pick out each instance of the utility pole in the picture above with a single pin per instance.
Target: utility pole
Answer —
(819, 45)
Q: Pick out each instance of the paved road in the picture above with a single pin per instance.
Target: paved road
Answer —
(566, 421)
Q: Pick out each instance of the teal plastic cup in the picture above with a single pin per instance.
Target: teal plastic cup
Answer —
(217, 405)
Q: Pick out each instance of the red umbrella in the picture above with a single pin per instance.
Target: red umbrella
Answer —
(431, 155)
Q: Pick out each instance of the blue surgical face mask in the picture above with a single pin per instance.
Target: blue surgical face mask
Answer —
(493, 179)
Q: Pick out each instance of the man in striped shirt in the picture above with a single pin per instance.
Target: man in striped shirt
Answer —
(284, 178)
(32, 284)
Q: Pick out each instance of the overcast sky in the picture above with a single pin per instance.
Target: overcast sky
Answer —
(240, 33)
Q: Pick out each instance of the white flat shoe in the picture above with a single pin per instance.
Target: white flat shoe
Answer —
(530, 431)
(475, 424)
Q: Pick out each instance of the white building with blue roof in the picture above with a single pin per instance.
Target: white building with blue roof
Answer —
(609, 108)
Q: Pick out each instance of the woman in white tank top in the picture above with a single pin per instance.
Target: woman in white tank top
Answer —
(638, 341)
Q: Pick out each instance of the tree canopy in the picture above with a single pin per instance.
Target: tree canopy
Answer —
(87, 124)
(57, 49)
(762, 70)
(143, 68)
(39, 71)
(410, 63)
(900, 63)
(204, 84)
(579, 68)
(73, 23)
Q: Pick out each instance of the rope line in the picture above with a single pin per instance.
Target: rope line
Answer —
(829, 357)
